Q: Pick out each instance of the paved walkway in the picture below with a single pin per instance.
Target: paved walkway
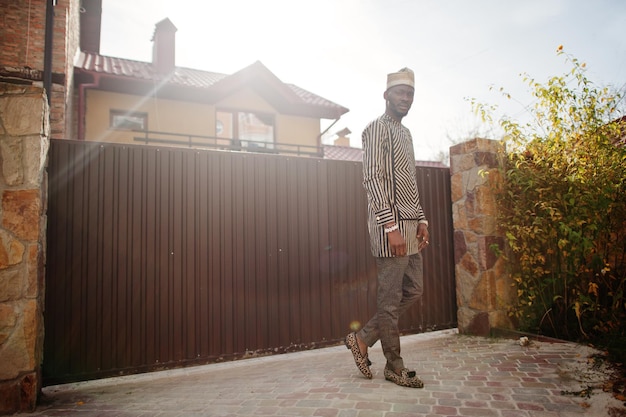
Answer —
(463, 376)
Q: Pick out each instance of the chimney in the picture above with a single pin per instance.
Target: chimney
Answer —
(164, 47)
(342, 137)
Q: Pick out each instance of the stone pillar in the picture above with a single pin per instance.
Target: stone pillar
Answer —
(483, 289)
(24, 143)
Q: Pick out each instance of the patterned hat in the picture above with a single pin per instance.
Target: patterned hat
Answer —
(404, 76)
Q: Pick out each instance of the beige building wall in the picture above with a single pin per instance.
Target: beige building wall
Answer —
(245, 100)
(297, 130)
(289, 129)
(163, 116)
(188, 118)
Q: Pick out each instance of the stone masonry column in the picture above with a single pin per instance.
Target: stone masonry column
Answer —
(483, 289)
(24, 146)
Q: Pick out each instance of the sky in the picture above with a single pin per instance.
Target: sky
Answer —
(342, 50)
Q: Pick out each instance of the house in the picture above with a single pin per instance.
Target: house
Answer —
(159, 103)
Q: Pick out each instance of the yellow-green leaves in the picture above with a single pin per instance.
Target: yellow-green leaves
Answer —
(562, 206)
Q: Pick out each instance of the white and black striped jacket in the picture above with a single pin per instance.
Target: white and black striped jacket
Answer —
(389, 179)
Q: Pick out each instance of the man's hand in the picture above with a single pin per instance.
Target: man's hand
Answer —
(422, 236)
(396, 243)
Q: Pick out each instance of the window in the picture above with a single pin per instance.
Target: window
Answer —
(251, 128)
(128, 120)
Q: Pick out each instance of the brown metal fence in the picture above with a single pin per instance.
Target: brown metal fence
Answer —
(166, 257)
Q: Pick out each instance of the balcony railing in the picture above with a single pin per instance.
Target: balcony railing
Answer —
(150, 137)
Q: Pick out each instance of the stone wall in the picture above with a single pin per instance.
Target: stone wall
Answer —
(24, 143)
(484, 291)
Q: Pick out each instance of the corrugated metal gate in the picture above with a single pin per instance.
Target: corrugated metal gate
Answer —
(164, 257)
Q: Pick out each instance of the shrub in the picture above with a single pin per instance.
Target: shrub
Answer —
(562, 208)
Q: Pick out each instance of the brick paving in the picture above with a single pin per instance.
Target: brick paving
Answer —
(463, 376)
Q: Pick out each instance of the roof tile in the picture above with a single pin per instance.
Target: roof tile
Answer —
(93, 62)
(348, 153)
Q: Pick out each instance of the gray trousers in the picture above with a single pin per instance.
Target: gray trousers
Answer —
(400, 284)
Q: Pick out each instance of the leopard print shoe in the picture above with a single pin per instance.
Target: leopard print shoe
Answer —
(362, 362)
(405, 379)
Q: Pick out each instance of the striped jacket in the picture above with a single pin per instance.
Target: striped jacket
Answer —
(389, 179)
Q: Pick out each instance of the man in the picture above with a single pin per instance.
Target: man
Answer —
(397, 226)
